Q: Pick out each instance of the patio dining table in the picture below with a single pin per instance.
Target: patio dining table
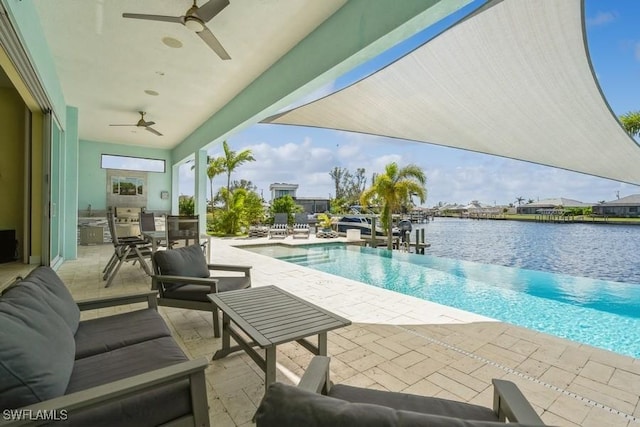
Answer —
(155, 237)
(270, 316)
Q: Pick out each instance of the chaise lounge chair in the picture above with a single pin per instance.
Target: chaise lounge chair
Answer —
(285, 405)
(280, 227)
(301, 226)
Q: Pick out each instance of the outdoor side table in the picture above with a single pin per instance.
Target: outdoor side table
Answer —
(270, 316)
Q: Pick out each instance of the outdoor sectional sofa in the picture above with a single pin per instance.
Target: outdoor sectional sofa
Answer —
(317, 402)
(124, 369)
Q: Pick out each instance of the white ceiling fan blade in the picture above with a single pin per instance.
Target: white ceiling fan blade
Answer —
(124, 125)
(175, 19)
(152, 130)
(213, 43)
(148, 123)
(211, 9)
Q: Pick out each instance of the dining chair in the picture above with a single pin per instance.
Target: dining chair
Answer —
(125, 249)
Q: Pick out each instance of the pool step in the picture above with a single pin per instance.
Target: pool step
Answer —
(315, 262)
(307, 259)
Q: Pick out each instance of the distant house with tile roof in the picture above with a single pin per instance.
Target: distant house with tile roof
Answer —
(625, 207)
(555, 203)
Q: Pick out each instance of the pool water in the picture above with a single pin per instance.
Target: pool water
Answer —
(600, 313)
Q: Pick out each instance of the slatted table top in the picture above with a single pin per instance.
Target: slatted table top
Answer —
(272, 316)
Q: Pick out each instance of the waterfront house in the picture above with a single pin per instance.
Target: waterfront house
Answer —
(555, 203)
(625, 207)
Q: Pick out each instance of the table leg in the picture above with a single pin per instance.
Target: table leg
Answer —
(270, 368)
(216, 322)
(322, 351)
(322, 344)
(226, 338)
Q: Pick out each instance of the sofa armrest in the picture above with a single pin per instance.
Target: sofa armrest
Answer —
(246, 269)
(106, 393)
(184, 279)
(94, 303)
(510, 404)
(316, 378)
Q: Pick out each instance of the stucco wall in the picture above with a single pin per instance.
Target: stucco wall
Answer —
(92, 185)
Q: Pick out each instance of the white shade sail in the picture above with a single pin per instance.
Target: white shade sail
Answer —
(513, 80)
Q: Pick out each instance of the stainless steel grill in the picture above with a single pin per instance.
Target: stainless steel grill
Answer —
(127, 215)
(127, 221)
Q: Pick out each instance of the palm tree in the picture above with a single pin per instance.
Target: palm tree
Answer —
(519, 200)
(394, 187)
(215, 167)
(337, 174)
(232, 160)
(631, 122)
(233, 217)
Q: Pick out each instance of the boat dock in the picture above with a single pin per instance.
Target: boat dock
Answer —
(417, 246)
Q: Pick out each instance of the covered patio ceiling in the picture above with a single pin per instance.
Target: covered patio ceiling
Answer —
(513, 80)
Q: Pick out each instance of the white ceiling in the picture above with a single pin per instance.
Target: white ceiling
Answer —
(106, 62)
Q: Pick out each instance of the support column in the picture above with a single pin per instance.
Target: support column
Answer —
(200, 192)
(175, 189)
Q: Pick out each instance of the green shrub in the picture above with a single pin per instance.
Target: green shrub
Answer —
(186, 205)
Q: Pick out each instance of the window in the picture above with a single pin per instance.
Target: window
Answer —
(127, 186)
(110, 161)
(282, 193)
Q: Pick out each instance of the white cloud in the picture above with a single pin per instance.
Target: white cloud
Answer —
(305, 157)
(602, 18)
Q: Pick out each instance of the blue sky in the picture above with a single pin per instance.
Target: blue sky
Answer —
(305, 156)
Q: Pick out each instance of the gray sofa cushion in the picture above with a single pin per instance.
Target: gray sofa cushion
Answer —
(57, 296)
(285, 405)
(36, 347)
(124, 362)
(188, 261)
(149, 408)
(103, 334)
(412, 402)
(153, 407)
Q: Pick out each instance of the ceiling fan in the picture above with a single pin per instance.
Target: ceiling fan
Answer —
(194, 19)
(144, 124)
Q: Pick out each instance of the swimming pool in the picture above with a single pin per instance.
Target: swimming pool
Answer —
(600, 313)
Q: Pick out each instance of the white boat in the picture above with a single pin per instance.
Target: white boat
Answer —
(362, 223)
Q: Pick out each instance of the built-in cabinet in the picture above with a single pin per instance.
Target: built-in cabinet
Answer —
(93, 230)
(91, 235)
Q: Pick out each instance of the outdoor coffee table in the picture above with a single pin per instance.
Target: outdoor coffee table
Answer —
(270, 316)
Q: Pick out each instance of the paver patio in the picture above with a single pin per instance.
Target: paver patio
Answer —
(397, 343)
